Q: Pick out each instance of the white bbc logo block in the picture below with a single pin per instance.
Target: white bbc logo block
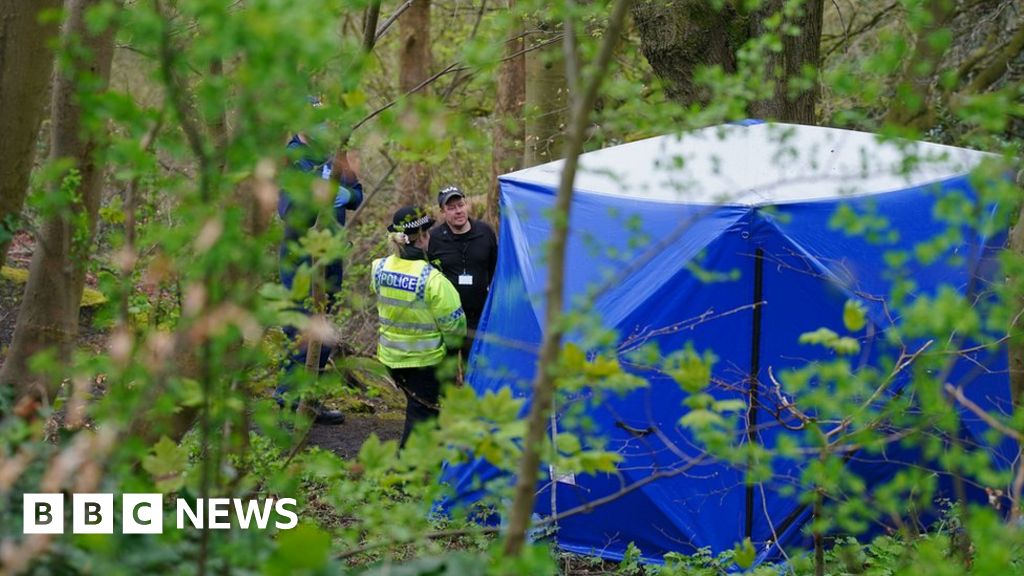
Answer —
(142, 514)
(43, 513)
(92, 514)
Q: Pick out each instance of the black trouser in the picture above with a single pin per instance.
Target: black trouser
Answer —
(422, 391)
(472, 320)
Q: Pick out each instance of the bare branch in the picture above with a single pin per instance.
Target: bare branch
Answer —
(391, 20)
(958, 395)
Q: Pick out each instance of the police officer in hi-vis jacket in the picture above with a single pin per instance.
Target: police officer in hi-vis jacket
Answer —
(420, 315)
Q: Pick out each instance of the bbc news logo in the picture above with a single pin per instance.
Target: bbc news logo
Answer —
(144, 513)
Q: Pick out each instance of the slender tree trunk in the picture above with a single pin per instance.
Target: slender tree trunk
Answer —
(414, 67)
(507, 135)
(543, 383)
(48, 316)
(370, 26)
(25, 65)
(1016, 350)
(547, 98)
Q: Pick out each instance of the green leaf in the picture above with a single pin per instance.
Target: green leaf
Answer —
(734, 405)
(691, 370)
(700, 419)
(167, 464)
(744, 554)
(301, 283)
(305, 547)
(822, 336)
(323, 245)
(376, 455)
(846, 345)
(602, 367)
(854, 315)
(573, 358)
(567, 443)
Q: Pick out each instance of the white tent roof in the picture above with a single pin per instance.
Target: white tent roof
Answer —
(758, 164)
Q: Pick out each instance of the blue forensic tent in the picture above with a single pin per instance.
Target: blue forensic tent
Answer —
(749, 206)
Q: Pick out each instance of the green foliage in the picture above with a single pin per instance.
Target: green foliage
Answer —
(167, 465)
(193, 301)
(829, 339)
(854, 315)
(302, 550)
(692, 371)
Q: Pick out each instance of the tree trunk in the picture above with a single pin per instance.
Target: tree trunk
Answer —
(1015, 348)
(25, 65)
(790, 103)
(48, 316)
(912, 104)
(680, 36)
(414, 68)
(543, 382)
(507, 135)
(547, 98)
(1015, 245)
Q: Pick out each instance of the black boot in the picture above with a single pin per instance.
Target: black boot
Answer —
(328, 417)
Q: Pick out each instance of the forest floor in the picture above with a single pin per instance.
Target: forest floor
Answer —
(381, 413)
(375, 407)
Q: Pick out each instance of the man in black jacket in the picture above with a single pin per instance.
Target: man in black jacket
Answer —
(467, 251)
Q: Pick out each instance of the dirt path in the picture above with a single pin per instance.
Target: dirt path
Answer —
(346, 439)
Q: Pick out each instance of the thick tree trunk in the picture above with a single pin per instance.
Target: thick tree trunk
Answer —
(415, 62)
(804, 51)
(547, 99)
(507, 135)
(790, 102)
(48, 316)
(680, 36)
(25, 65)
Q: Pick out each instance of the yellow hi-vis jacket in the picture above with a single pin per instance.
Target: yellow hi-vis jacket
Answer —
(419, 313)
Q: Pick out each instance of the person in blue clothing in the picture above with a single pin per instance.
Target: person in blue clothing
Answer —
(298, 219)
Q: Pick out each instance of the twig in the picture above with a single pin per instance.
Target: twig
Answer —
(958, 395)
(847, 36)
(582, 508)
(380, 185)
(415, 89)
(391, 20)
(905, 361)
(472, 35)
(453, 67)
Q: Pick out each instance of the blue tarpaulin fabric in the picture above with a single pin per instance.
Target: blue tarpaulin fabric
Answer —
(724, 238)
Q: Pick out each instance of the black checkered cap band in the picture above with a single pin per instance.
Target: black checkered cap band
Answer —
(414, 224)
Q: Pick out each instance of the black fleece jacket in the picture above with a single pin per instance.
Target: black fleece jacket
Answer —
(472, 256)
